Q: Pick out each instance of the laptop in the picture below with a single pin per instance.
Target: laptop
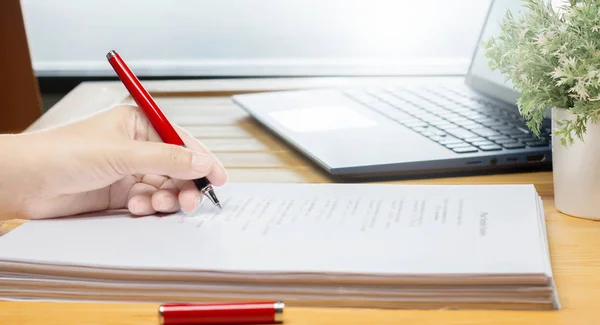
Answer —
(418, 128)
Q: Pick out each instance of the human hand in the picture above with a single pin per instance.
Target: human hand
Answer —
(111, 160)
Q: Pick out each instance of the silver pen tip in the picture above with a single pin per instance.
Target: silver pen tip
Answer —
(209, 192)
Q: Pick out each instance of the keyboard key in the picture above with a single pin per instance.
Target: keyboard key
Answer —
(520, 125)
(464, 149)
(502, 127)
(498, 137)
(482, 143)
(491, 122)
(482, 119)
(437, 138)
(476, 116)
(513, 145)
(514, 115)
(530, 137)
(496, 114)
(434, 120)
(433, 132)
(503, 141)
(404, 120)
(475, 105)
(431, 105)
(460, 109)
(525, 137)
(485, 132)
(470, 125)
(491, 147)
(436, 111)
(437, 131)
(537, 144)
(421, 129)
(449, 115)
(443, 102)
(461, 133)
(450, 140)
(475, 139)
(457, 145)
(459, 120)
(424, 115)
(513, 131)
(445, 125)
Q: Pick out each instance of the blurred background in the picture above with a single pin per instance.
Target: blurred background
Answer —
(68, 39)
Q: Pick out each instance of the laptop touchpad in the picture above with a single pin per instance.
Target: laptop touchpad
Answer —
(321, 118)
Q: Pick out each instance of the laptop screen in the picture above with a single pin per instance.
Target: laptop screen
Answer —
(480, 76)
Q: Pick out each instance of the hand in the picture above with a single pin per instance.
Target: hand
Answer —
(111, 160)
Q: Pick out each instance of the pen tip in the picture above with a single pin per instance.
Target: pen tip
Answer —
(111, 54)
(209, 192)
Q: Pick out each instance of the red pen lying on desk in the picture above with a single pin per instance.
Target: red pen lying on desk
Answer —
(221, 313)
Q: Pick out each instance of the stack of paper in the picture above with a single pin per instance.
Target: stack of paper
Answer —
(357, 245)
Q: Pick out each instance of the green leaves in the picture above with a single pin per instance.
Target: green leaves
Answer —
(552, 56)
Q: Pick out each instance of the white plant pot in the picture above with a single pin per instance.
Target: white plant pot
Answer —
(576, 170)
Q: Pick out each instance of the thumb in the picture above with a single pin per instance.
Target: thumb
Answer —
(158, 158)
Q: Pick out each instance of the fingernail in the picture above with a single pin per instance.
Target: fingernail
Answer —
(133, 206)
(199, 200)
(201, 162)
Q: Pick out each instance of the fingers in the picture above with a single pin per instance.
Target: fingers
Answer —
(139, 128)
(139, 157)
(163, 163)
(189, 197)
(139, 201)
(165, 200)
(145, 199)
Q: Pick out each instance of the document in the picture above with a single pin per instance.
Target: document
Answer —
(287, 237)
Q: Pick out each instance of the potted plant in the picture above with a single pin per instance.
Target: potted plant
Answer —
(551, 55)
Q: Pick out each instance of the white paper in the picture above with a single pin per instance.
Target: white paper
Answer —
(324, 228)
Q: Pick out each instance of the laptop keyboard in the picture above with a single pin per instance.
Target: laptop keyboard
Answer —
(455, 118)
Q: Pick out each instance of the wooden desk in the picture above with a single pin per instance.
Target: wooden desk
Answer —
(252, 154)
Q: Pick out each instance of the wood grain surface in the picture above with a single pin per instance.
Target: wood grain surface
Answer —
(252, 154)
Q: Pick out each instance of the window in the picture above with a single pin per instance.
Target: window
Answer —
(254, 37)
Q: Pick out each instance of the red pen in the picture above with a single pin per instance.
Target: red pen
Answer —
(159, 122)
(221, 313)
